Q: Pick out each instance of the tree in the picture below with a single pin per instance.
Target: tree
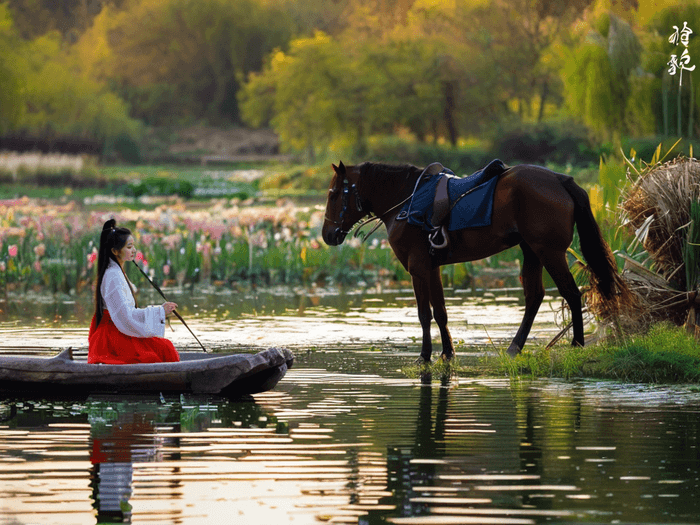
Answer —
(61, 101)
(184, 59)
(11, 84)
(677, 107)
(599, 74)
(305, 94)
(519, 36)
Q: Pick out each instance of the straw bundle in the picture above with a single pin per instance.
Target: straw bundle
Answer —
(661, 209)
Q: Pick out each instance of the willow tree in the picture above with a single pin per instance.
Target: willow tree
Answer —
(599, 73)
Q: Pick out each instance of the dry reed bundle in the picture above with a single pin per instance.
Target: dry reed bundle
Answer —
(661, 209)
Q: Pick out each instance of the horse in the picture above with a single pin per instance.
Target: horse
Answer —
(533, 207)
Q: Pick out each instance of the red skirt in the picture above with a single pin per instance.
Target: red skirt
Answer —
(110, 346)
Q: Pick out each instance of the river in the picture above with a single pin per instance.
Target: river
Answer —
(347, 436)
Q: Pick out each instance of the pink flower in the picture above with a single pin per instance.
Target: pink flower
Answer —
(12, 250)
(91, 258)
(37, 266)
(166, 269)
(40, 250)
(140, 258)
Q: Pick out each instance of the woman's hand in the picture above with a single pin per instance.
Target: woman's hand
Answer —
(169, 308)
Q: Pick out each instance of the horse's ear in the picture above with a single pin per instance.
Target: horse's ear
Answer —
(341, 168)
(335, 168)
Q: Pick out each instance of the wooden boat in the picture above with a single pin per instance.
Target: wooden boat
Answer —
(197, 372)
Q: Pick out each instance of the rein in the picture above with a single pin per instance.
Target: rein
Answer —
(347, 188)
(380, 218)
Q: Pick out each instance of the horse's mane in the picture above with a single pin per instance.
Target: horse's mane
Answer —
(388, 173)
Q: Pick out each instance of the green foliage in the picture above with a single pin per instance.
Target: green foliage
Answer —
(665, 353)
(305, 87)
(160, 186)
(11, 85)
(646, 147)
(463, 160)
(597, 75)
(676, 107)
(559, 142)
(202, 48)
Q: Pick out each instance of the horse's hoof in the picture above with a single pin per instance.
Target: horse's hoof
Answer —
(447, 357)
(513, 350)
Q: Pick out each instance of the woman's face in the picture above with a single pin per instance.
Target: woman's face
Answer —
(127, 253)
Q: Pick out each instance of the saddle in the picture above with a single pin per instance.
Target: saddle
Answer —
(444, 202)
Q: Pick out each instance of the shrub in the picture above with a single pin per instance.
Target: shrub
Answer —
(546, 142)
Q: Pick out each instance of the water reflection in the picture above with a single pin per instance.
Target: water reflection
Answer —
(346, 438)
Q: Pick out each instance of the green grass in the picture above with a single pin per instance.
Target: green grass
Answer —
(664, 354)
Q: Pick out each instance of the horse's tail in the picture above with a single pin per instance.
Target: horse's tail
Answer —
(595, 250)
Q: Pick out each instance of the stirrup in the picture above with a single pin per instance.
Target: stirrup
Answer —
(438, 238)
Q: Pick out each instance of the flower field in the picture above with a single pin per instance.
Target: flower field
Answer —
(53, 247)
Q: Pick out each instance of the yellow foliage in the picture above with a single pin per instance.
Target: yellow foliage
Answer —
(597, 201)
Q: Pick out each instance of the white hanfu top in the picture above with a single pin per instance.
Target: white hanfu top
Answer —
(118, 299)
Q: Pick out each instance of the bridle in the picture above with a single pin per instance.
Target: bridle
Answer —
(345, 204)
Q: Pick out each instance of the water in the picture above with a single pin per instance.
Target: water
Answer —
(347, 437)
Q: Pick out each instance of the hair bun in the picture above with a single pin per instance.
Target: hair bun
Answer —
(109, 225)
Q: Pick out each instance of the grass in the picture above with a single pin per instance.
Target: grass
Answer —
(665, 354)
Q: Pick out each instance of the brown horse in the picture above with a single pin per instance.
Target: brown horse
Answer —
(533, 207)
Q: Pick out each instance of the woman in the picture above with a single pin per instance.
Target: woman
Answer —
(120, 332)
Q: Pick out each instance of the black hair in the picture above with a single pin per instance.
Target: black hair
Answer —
(111, 238)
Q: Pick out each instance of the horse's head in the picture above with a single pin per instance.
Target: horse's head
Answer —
(344, 206)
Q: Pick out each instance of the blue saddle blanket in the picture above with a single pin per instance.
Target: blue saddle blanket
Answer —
(473, 195)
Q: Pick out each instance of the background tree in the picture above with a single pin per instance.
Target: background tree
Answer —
(600, 75)
(516, 39)
(676, 110)
(11, 74)
(300, 93)
(182, 60)
(61, 101)
(35, 18)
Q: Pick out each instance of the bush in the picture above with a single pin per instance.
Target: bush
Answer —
(160, 186)
(546, 142)
(463, 160)
(123, 148)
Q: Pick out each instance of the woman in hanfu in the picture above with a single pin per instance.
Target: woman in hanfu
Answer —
(120, 332)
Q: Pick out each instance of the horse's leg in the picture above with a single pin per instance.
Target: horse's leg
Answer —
(421, 289)
(556, 265)
(437, 299)
(534, 293)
